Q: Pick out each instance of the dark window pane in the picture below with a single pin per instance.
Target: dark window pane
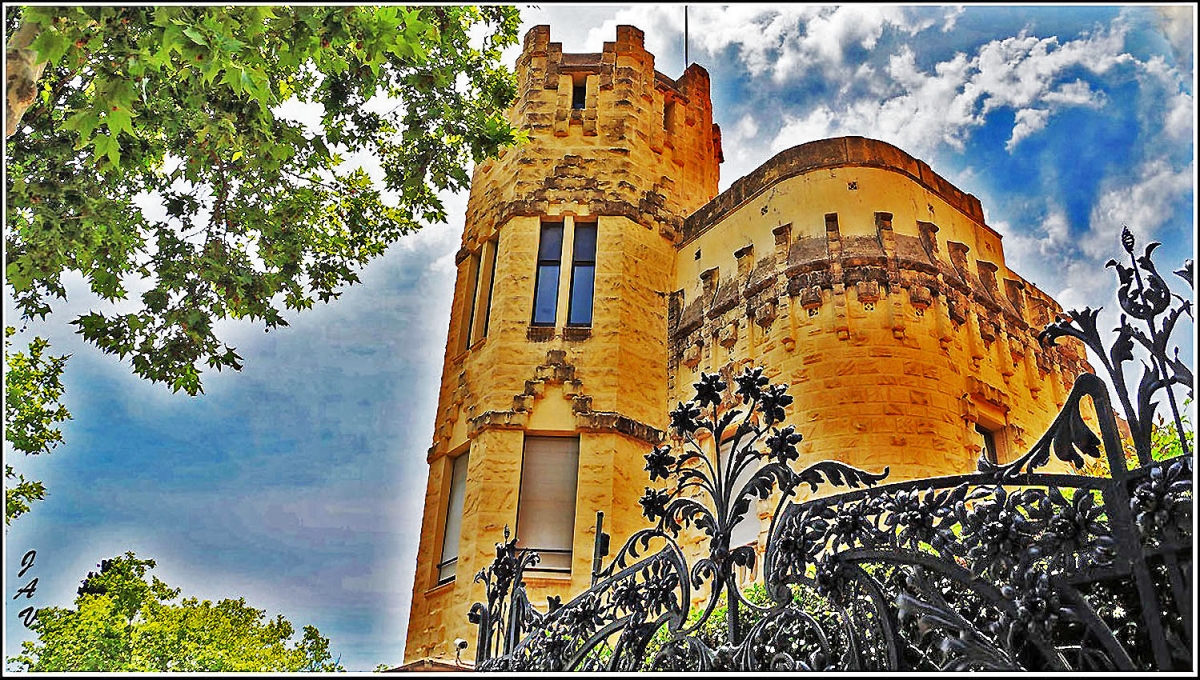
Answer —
(987, 441)
(550, 247)
(582, 284)
(585, 243)
(491, 275)
(577, 96)
(472, 283)
(545, 298)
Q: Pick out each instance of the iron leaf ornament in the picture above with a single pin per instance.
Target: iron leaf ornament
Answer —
(1146, 299)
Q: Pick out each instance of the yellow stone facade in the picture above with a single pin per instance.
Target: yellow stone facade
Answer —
(845, 267)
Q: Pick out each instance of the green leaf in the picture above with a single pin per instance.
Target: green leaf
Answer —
(119, 120)
(50, 45)
(235, 77)
(196, 36)
(84, 122)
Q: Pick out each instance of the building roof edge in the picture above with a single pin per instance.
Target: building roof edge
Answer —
(829, 153)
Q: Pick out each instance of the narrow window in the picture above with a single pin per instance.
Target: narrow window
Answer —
(579, 94)
(669, 116)
(987, 442)
(454, 510)
(546, 504)
(583, 275)
(745, 531)
(490, 273)
(545, 296)
(469, 290)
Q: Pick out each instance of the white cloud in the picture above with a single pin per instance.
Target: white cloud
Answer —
(1030, 248)
(780, 41)
(1178, 24)
(1027, 122)
(1142, 204)
(929, 111)
(1076, 93)
(1168, 106)
(1022, 70)
(746, 128)
(951, 18)
(922, 110)
(1179, 119)
(818, 124)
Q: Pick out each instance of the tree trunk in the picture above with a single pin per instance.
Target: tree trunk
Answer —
(23, 75)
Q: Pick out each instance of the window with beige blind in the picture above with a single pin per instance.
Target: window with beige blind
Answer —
(447, 566)
(546, 506)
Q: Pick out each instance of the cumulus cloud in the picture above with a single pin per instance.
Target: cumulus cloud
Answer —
(1178, 24)
(1076, 93)
(924, 109)
(927, 112)
(1027, 122)
(1035, 249)
(780, 41)
(1180, 117)
(1143, 202)
(950, 20)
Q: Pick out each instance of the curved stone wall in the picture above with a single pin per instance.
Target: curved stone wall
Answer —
(872, 286)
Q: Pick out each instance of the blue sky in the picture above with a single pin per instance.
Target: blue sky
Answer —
(297, 483)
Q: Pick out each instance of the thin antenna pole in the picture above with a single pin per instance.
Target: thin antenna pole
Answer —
(686, 62)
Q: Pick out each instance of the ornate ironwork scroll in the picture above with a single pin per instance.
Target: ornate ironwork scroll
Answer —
(1010, 568)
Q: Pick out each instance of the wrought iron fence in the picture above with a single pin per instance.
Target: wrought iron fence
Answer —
(1012, 567)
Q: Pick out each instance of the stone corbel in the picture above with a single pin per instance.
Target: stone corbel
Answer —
(728, 335)
(868, 291)
(920, 297)
(693, 354)
(810, 298)
(764, 311)
(967, 409)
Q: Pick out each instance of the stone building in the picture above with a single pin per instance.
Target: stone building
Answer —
(601, 273)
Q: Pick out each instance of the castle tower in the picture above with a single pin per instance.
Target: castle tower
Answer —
(554, 383)
(601, 273)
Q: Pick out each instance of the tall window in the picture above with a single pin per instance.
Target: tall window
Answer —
(471, 292)
(477, 307)
(490, 274)
(545, 297)
(583, 275)
(546, 505)
(987, 442)
(578, 94)
(745, 531)
(454, 510)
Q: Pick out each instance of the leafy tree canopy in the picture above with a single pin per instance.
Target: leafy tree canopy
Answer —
(32, 388)
(124, 622)
(180, 107)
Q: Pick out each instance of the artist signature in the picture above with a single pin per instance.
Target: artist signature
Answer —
(28, 614)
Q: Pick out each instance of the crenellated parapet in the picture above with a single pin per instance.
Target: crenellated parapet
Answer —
(608, 135)
(826, 270)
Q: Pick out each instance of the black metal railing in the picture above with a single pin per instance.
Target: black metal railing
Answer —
(1009, 568)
